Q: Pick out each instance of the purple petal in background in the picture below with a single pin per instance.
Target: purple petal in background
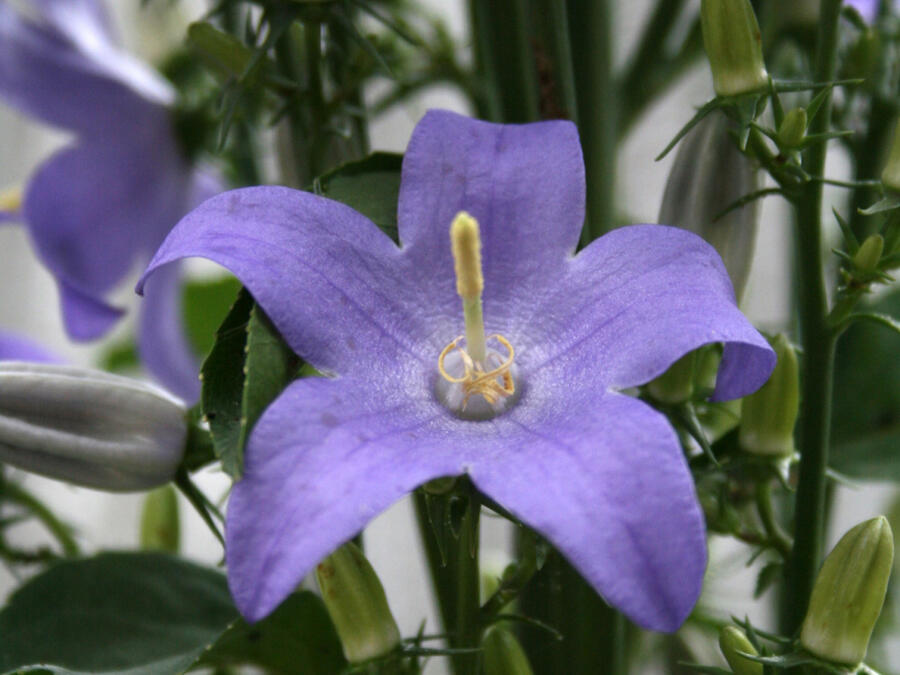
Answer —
(85, 316)
(17, 348)
(867, 8)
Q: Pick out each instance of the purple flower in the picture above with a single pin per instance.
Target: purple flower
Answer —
(868, 9)
(17, 348)
(599, 473)
(99, 206)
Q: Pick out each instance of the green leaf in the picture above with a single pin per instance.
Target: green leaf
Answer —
(298, 633)
(126, 613)
(370, 185)
(223, 385)
(205, 304)
(769, 574)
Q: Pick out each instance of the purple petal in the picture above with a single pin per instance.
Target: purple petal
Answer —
(73, 17)
(615, 496)
(162, 343)
(325, 458)
(331, 282)
(16, 348)
(85, 316)
(635, 301)
(524, 184)
(44, 75)
(92, 209)
(868, 9)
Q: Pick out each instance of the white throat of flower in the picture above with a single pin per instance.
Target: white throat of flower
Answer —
(484, 372)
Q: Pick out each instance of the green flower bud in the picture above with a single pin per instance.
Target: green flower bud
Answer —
(89, 427)
(849, 593)
(440, 486)
(160, 527)
(734, 46)
(890, 176)
(793, 129)
(869, 254)
(503, 655)
(768, 415)
(357, 604)
(676, 385)
(734, 643)
(710, 174)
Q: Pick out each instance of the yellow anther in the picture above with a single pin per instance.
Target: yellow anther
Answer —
(11, 199)
(465, 242)
(492, 384)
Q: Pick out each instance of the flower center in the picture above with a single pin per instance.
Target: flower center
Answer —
(476, 382)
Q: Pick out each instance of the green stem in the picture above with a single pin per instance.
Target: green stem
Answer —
(296, 170)
(553, 17)
(590, 23)
(818, 346)
(57, 528)
(318, 144)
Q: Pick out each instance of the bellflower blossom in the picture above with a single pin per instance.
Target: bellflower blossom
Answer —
(104, 202)
(599, 473)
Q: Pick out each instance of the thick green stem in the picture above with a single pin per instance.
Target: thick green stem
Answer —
(818, 347)
(590, 23)
(558, 81)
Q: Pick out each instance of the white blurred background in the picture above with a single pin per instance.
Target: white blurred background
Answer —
(28, 306)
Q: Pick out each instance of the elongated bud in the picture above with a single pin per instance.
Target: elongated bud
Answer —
(869, 254)
(734, 643)
(793, 129)
(768, 415)
(708, 176)
(849, 593)
(160, 526)
(503, 655)
(733, 45)
(357, 604)
(890, 176)
(89, 427)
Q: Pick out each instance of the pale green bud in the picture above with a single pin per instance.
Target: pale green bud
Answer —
(734, 46)
(160, 526)
(890, 176)
(503, 655)
(357, 605)
(849, 593)
(709, 175)
(768, 415)
(734, 643)
(89, 427)
(793, 129)
(869, 254)
(676, 385)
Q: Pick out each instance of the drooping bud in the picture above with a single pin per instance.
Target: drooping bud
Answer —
(357, 605)
(868, 256)
(793, 129)
(160, 526)
(708, 176)
(768, 415)
(734, 644)
(890, 176)
(849, 593)
(89, 427)
(503, 655)
(733, 45)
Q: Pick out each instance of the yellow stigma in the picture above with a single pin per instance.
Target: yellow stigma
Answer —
(465, 242)
(11, 199)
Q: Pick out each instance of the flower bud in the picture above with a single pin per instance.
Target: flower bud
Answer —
(357, 605)
(676, 385)
(503, 655)
(734, 643)
(709, 175)
(768, 415)
(793, 129)
(849, 593)
(160, 526)
(868, 256)
(733, 45)
(890, 176)
(89, 427)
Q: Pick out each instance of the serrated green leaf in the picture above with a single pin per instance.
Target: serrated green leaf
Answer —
(269, 367)
(223, 385)
(370, 185)
(298, 633)
(123, 613)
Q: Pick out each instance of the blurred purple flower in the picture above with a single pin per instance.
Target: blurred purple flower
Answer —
(868, 9)
(17, 348)
(599, 473)
(100, 205)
